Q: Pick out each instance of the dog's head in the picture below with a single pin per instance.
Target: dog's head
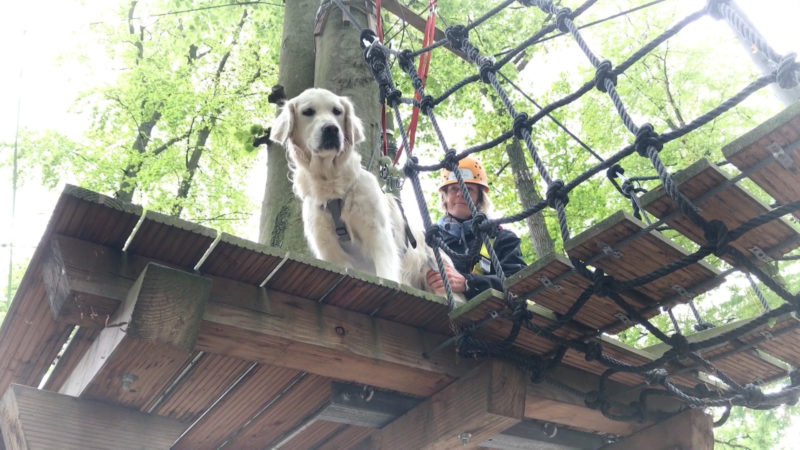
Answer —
(318, 122)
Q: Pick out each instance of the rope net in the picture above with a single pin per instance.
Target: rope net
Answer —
(646, 143)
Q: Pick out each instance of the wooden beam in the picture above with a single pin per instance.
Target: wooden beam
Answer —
(263, 325)
(34, 419)
(486, 401)
(410, 17)
(692, 429)
(150, 338)
(547, 403)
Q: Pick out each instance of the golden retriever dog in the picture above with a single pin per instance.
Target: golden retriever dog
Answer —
(347, 219)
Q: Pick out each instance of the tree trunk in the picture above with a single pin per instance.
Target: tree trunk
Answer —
(542, 242)
(281, 224)
(340, 67)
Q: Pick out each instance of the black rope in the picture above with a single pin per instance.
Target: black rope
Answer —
(646, 142)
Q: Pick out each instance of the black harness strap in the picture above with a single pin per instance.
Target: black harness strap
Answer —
(335, 208)
(409, 235)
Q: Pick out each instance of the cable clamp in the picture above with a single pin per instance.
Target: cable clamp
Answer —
(780, 155)
(549, 284)
(760, 254)
(608, 250)
(767, 335)
(683, 292)
(622, 317)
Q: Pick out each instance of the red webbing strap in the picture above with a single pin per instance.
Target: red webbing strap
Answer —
(379, 30)
(422, 70)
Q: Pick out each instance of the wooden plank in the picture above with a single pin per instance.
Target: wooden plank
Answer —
(552, 282)
(34, 419)
(705, 185)
(271, 425)
(619, 246)
(486, 401)
(171, 240)
(256, 390)
(490, 303)
(151, 338)
(29, 337)
(780, 179)
(692, 429)
(259, 324)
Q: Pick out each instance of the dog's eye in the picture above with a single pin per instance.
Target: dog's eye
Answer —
(336, 111)
(308, 112)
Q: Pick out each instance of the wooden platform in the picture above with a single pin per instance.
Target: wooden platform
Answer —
(217, 341)
(720, 199)
(770, 155)
(622, 247)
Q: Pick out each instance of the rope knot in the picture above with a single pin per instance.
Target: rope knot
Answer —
(752, 395)
(520, 125)
(716, 234)
(410, 168)
(594, 350)
(604, 72)
(646, 137)
(468, 346)
(786, 73)
(481, 225)
(456, 35)
(680, 344)
(593, 400)
(655, 376)
(450, 161)
(562, 16)
(486, 68)
(406, 60)
(393, 97)
(433, 235)
(713, 8)
(602, 284)
(614, 171)
(426, 104)
(557, 192)
(538, 367)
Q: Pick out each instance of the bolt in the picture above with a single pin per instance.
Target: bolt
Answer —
(340, 331)
(465, 437)
(127, 379)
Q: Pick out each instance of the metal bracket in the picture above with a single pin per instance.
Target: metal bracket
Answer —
(683, 292)
(549, 284)
(622, 317)
(769, 336)
(608, 250)
(780, 155)
(760, 254)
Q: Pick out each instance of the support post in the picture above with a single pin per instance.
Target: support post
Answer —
(486, 401)
(150, 337)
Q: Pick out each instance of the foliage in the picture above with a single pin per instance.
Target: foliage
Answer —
(174, 129)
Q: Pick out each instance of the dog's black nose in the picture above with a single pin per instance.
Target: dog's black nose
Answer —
(330, 137)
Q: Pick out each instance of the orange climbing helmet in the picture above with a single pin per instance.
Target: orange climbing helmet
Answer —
(472, 172)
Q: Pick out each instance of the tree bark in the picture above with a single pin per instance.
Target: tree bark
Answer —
(281, 224)
(340, 67)
(542, 242)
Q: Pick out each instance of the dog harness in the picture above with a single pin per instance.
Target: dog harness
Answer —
(334, 206)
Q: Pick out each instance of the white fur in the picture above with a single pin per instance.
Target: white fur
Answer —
(372, 218)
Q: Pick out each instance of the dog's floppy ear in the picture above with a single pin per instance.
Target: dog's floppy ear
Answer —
(284, 124)
(353, 129)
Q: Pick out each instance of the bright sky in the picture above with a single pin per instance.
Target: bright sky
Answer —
(41, 78)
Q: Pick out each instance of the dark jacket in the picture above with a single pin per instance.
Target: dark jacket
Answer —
(459, 237)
